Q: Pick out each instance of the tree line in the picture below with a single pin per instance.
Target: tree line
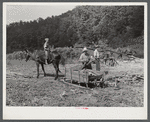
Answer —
(115, 26)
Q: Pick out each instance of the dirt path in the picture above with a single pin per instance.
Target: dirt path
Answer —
(24, 89)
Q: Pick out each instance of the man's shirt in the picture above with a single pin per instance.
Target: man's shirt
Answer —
(96, 54)
(84, 57)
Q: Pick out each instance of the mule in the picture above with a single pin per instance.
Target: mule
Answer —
(39, 57)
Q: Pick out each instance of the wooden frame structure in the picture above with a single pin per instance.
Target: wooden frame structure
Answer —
(82, 76)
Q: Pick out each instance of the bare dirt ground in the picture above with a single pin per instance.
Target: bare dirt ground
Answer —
(24, 89)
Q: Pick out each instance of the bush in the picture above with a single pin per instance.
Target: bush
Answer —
(70, 54)
(18, 55)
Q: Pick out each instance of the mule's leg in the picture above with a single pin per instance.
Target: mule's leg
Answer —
(43, 69)
(37, 65)
(56, 69)
(59, 70)
(105, 61)
(58, 66)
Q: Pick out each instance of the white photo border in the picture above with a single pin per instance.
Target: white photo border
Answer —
(72, 113)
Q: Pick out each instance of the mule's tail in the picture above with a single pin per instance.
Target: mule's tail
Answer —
(62, 60)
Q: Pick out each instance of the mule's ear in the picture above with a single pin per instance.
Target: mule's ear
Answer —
(26, 50)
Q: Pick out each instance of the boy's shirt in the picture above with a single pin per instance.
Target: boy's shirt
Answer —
(46, 46)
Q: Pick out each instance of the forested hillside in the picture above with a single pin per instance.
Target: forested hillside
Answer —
(114, 26)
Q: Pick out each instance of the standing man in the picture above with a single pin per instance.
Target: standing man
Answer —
(46, 49)
(97, 56)
(85, 59)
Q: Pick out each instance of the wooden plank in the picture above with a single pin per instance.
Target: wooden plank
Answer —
(76, 68)
(96, 72)
(83, 73)
(75, 75)
(75, 85)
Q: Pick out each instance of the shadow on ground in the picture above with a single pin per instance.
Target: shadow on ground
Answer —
(53, 75)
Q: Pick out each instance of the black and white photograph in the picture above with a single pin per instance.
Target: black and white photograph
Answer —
(74, 60)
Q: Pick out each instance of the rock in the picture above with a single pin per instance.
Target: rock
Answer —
(63, 94)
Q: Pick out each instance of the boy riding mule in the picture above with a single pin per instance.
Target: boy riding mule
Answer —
(46, 49)
(39, 57)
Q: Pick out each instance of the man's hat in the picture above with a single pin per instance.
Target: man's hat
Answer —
(46, 39)
(84, 49)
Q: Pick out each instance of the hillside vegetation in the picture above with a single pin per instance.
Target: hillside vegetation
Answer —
(112, 26)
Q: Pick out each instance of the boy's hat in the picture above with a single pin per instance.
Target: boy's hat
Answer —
(46, 39)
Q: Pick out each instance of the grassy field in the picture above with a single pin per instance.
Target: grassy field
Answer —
(24, 89)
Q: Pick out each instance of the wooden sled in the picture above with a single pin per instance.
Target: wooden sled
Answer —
(86, 76)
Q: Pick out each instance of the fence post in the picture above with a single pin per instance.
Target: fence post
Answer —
(65, 71)
(86, 79)
(79, 76)
(97, 64)
(71, 74)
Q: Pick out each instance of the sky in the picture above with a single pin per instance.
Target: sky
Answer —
(15, 13)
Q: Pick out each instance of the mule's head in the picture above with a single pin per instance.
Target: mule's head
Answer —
(27, 55)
